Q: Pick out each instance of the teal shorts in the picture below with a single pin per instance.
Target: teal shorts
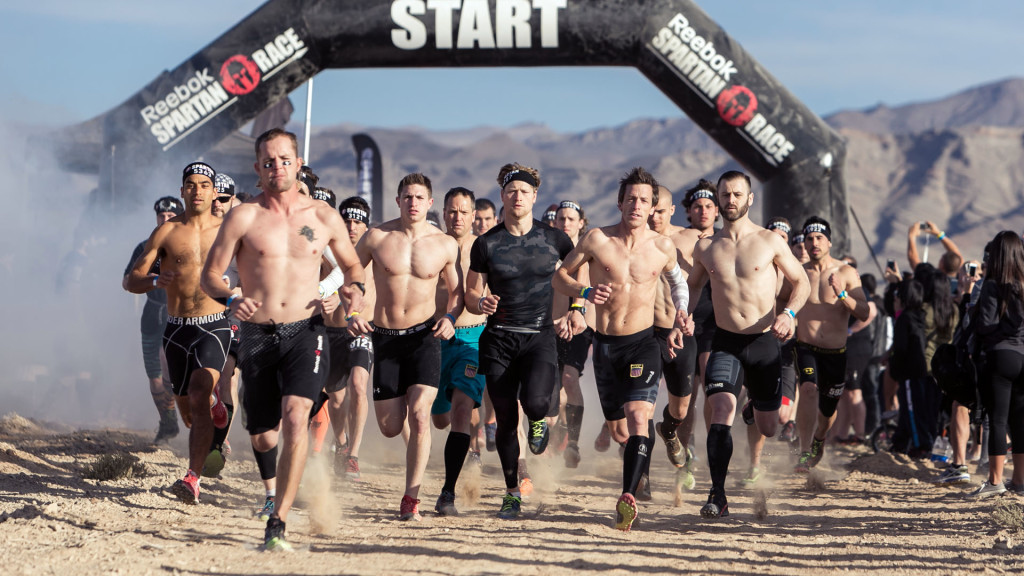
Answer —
(460, 368)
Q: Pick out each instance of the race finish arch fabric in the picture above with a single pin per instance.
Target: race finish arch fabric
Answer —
(274, 50)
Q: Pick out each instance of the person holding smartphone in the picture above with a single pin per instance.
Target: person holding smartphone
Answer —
(950, 261)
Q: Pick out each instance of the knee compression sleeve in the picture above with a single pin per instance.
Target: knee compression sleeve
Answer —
(267, 463)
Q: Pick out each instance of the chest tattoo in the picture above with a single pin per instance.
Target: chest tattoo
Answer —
(308, 233)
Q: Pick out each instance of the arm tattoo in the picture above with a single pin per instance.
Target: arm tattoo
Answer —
(308, 233)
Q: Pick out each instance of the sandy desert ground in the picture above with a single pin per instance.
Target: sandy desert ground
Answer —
(859, 513)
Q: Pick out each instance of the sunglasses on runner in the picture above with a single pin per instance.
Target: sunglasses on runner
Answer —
(223, 199)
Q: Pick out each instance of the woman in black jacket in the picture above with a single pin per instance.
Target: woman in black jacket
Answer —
(915, 428)
(999, 326)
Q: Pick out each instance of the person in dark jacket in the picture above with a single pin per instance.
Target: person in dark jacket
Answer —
(914, 430)
(1000, 329)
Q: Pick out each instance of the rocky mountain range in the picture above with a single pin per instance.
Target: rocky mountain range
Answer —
(957, 161)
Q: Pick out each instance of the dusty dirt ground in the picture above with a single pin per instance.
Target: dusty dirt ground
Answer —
(859, 513)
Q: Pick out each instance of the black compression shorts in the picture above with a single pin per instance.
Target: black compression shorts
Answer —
(153, 323)
(789, 379)
(758, 355)
(194, 343)
(279, 360)
(347, 352)
(405, 357)
(826, 369)
(678, 371)
(626, 369)
(574, 352)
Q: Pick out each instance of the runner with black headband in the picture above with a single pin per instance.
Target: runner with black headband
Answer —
(701, 207)
(515, 261)
(740, 260)
(351, 359)
(573, 321)
(836, 294)
(461, 386)
(409, 255)
(678, 367)
(154, 319)
(279, 238)
(626, 262)
(198, 333)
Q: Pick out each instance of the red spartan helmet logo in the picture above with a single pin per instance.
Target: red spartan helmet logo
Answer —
(736, 105)
(239, 75)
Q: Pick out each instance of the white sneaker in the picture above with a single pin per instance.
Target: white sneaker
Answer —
(986, 490)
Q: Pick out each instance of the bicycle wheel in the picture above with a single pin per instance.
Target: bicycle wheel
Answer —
(881, 438)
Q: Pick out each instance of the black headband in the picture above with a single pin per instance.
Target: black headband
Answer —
(224, 184)
(703, 193)
(200, 168)
(168, 204)
(780, 226)
(521, 175)
(550, 215)
(798, 239)
(818, 227)
(352, 213)
(570, 204)
(319, 193)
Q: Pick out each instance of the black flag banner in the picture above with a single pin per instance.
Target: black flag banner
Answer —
(274, 50)
(369, 176)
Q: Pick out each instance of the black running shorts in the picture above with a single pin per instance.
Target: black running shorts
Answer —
(279, 360)
(405, 357)
(347, 352)
(826, 369)
(758, 356)
(626, 369)
(194, 343)
(678, 371)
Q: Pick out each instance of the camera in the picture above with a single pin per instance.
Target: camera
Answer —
(891, 264)
(924, 227)
(972, 270)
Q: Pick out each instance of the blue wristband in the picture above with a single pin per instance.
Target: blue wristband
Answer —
(586, 292)
(230, 300)
(450, 317)
(842, 295)
(790, 312)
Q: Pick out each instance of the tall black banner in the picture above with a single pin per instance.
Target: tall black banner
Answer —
(673, 43)
(369, 175)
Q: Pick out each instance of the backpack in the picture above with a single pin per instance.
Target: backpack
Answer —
(953, 365)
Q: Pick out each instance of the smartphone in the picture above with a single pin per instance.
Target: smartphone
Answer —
(972, 270)
(891, 264)
(924, 226)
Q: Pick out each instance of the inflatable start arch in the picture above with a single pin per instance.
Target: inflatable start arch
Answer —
(186, 111)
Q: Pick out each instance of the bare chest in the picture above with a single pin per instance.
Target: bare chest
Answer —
(187, 247)
(617, 264)
(736, 261)
(399, 255)
(274, 236)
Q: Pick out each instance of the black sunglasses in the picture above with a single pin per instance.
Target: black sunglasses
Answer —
(223, 199)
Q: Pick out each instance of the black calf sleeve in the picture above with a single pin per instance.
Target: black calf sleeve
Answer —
(506, 413)
(649, 442)
(634, 460)
(454, 455)
(719, 455)
(574, 421)
(267, 463)
(671, 422)
(221, 434)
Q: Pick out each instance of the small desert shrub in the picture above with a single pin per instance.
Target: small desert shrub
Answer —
(115, 467)
(1009, 514)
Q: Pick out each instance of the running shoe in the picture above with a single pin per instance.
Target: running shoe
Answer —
(473, 459)
(954, 475)
(672, 444)
(986, 490)
(571, 454)
(526, 486)
(537, 438)
(748, 413)
(685, 479)
(490, 431)
(226, 448)
(168, 427)
(817, 451)
(603, 440)
(752, 478)
(788, 433)
(352, 469)
(446, 504)
(273, 536)
(716, 507)
(803, 464)
(409, 509)
(187, 489)
(643, 489)
(1017, 489)
(511, 505)
(267, 510)
(214, 463)
(625, 512)
(219, 411)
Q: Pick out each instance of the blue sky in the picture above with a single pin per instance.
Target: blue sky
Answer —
(66, 61)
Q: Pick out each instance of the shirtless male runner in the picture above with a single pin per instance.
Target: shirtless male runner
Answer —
(821, 333)
(515, 260)
(198, 334)
(461, 387)
(742, 261)
(626, 261)
(409, 255)
(278, 240)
